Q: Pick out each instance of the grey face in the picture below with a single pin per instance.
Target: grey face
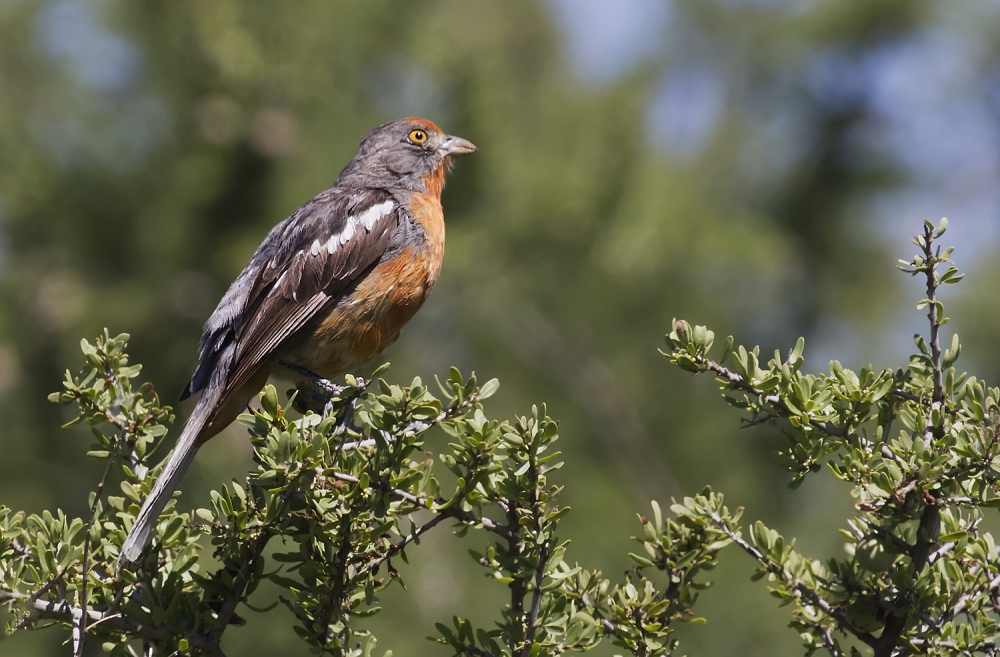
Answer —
(402, 153)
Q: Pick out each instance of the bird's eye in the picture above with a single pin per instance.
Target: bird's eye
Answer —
(418, 136)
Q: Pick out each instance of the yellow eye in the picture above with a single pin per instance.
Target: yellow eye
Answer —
(418, 136)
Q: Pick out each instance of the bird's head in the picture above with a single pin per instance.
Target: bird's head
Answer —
(411, 153)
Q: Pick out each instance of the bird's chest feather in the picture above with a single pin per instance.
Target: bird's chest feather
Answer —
(370, 318)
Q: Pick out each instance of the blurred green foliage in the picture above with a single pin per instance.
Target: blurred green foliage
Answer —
(145, 149)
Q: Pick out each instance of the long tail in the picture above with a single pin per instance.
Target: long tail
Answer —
(177, 465)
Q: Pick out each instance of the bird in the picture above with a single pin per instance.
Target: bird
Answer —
(327, 290)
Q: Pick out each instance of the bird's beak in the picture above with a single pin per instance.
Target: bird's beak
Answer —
(457, 146)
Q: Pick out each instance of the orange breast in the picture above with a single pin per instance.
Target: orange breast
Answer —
(370, 319)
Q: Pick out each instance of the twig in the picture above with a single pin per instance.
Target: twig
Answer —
(85, 574)
(235, 595)
(828, 642)
(807, 593)
(517, 583)
(306, 622)
(927, 533)
(340, 577)
(886, 534)
(930, 273)
(414, 427)
(401, 545)
(940, 552)
(453, 510)
(543, 555)
(65, 612)
(737, 382)
(908, 396)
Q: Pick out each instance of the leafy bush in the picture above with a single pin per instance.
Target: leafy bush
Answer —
(348, 490)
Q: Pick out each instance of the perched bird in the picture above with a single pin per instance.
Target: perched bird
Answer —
(328, 289)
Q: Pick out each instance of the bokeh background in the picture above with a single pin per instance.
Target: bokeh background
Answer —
(753, 165)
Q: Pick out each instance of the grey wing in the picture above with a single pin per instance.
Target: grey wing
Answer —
(305, 262)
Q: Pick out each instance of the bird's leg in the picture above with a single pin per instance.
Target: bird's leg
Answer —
(316, 394)
(326, 385)
(321, 394)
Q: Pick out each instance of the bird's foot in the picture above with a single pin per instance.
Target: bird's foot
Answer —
(327, 386)
(324, 397)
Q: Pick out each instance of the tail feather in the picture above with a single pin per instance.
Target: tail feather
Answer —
(178, 463)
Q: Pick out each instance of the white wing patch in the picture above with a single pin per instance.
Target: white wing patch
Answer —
(374, 213)
(365, 220)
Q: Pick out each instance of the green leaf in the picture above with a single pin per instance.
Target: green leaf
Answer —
(489, 388)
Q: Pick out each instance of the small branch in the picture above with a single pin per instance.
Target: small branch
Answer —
(940, 552)
(517, 590)
(401, 545)
(305, 620)
(335, 603)
(987, 646)
(453, 510)
(358, 444)
(954, 610)
(766, 417)
(889, 454)
(927, 533)
(66, 613)
(828, 643)
(418, 426)
(908, 396)
(737, 382)
(536, 596)
(412, 428)
(85, 571)
(930, 273)
(886, 534)
(235, 595)
(543, 555)
(813, 597)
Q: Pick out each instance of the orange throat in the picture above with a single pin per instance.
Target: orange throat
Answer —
(435, 181)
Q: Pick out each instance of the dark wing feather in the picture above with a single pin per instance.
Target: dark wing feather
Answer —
(287, 282)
